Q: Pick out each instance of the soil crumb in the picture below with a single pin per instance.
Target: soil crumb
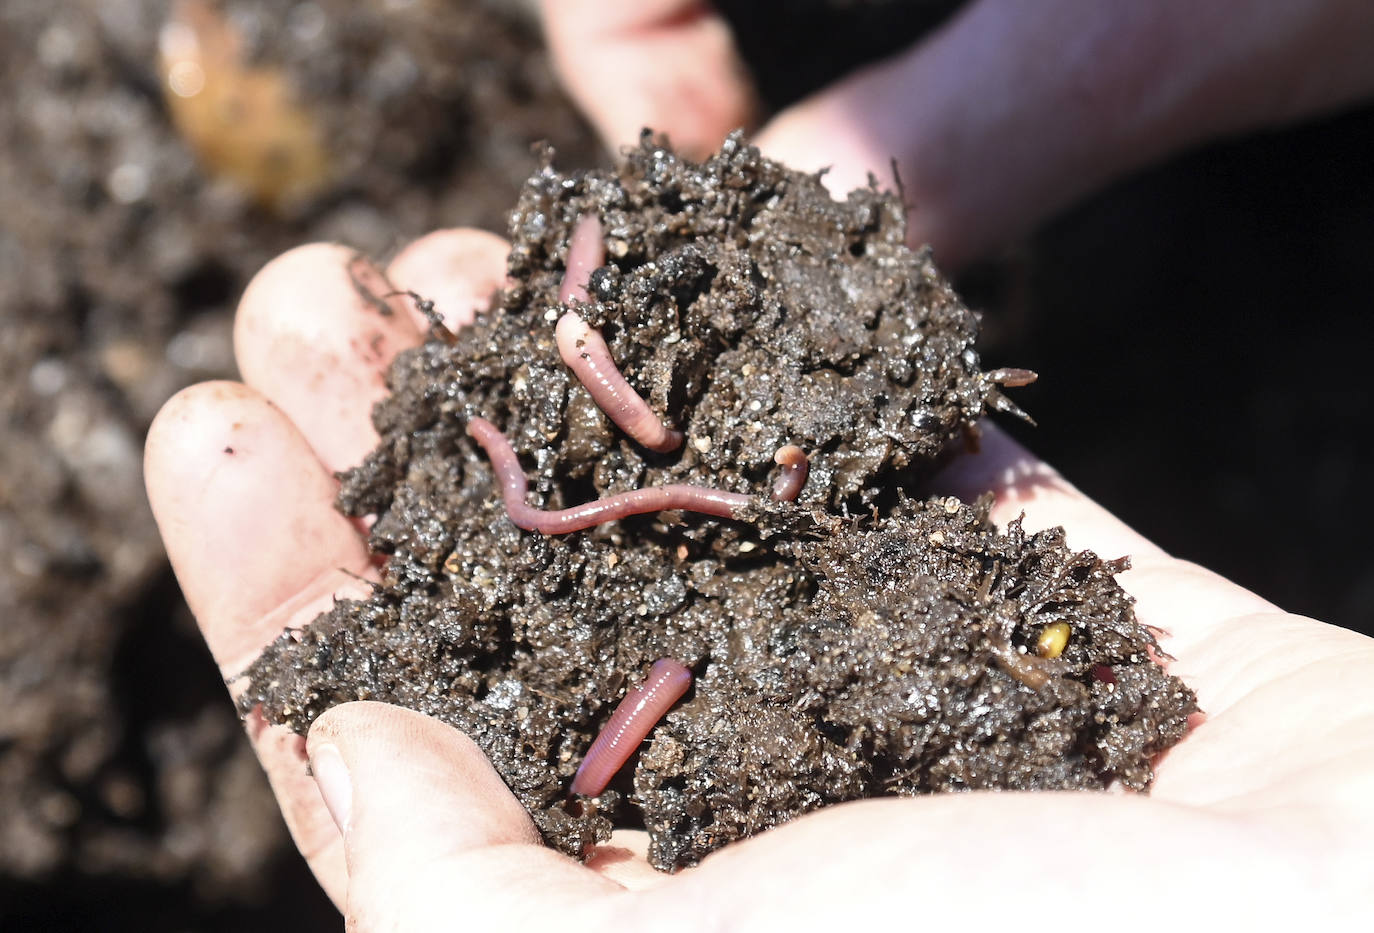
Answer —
(853, 642)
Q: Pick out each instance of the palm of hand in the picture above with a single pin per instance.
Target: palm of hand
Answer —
(1262, 810)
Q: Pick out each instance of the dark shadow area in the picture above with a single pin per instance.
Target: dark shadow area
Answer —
(1202, 333)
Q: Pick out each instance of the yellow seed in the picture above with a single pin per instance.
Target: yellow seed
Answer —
(1053, 638)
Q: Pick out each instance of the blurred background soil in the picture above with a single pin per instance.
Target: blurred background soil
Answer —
(1201, 330)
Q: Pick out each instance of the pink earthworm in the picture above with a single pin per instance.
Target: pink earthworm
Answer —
(792, 477)
(560, 521)
(584, 349)
(629, 725)
(586, 252)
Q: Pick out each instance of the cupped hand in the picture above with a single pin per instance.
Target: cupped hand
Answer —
(1006, 114)
(1264, 813)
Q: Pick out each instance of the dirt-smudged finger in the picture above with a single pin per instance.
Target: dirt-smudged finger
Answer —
(422, 806)
(459, 270)
(246, 513)
(315, 333)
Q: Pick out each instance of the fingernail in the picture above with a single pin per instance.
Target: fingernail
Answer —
(336, 787)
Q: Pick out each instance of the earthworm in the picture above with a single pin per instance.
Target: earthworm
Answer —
(560, 521)
(629, 725)
(586, 253)
(792, 476)
(584, 349)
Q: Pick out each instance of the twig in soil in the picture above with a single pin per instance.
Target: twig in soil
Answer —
(373, 584)
(365, 293)
(1012, 378)
(1030, 670)
(792, 476)
(584, 349)
(514, 486)
(425, 306)
(629, 725)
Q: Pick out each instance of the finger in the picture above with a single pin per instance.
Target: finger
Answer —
(851, 129)
(245, 510)
(994, 121)
(246, 513)
(981, 119)
(282, 755)
(1011, 110)
(459, 270)
(315, 335)
(428, 824)
(667, 64)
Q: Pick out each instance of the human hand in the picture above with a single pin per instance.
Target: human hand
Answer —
(1263, 813)
(1000, 118)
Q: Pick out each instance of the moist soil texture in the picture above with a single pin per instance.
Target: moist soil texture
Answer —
(854, 642)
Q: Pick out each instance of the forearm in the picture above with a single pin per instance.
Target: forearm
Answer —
(1013, 110)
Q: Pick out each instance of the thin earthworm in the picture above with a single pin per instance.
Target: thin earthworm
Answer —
(629, 725)
(584, 349)
(792, 477)
(586, 253)
(560, 521)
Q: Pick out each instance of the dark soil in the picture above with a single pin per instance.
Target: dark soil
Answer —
(835, 658)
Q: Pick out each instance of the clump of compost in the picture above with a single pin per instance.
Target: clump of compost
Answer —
(908, 649)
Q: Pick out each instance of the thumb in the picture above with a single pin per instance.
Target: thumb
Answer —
(429, 827)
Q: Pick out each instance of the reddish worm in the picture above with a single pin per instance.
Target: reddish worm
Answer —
(629, 725)
(792, 476)
(586, 253)
(585, 352)
(514, 486)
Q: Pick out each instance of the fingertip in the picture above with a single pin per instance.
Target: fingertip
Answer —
(458, 269)
(187, 420)
(397, 756)
(246, 514)
(315, 332)
(425, 807)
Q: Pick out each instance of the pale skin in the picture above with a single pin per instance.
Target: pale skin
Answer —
(1263, 813)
